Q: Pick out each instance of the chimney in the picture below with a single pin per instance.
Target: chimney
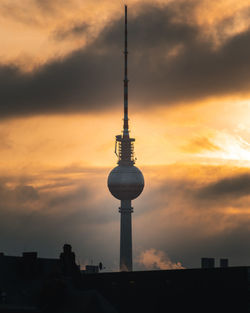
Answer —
(207, 262)
(223, 262)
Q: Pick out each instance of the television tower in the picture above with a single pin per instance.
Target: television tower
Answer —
(125, 182)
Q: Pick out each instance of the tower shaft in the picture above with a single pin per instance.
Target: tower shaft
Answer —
(126, 263)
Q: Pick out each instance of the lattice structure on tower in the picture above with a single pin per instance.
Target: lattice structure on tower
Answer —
(124, 149)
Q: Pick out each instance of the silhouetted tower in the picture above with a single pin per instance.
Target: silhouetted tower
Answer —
(125, 182)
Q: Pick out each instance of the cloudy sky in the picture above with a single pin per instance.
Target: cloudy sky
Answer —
(61, 73)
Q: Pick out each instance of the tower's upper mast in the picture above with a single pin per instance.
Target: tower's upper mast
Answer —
(125, 122)
(124, 147)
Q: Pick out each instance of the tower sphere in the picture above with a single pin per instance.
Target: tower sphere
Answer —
(125, 182)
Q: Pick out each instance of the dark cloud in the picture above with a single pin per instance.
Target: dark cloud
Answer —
(168, 216)
(191, 244)
(80, 83)
(191, 218)
(34, 219)
(229, 187)
(222, 192)
(21, 194)
(169, 63)
(75, 31)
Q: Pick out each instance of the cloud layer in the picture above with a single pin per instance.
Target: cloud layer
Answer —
(176, 221)
(169, 63)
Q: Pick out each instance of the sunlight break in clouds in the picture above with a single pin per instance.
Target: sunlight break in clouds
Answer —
(153, 259)
(229, 147)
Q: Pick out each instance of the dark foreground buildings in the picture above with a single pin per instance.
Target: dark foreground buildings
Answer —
(32, 284)
(189, 290)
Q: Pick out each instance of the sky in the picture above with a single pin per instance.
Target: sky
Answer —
(61, 91)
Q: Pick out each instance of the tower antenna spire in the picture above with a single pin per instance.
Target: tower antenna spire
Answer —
(125, 121)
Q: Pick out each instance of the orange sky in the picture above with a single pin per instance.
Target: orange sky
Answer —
(213, 129)
(199, 141)
(191, 134)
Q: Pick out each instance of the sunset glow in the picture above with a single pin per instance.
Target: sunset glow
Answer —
(61, 73)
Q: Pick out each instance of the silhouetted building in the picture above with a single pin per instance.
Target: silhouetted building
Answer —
(207, 262)
(32, 284)
(67, 260)
(223, 262)
(187, 290)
